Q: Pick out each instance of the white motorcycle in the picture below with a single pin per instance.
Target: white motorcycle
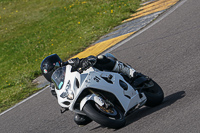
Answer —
(105, 97)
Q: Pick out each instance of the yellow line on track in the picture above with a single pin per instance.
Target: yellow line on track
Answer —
(147, 9)
(102, 46)
(152, 8)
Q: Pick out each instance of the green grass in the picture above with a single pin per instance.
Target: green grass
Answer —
(30, 30)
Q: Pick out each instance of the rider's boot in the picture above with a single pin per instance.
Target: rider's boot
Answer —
(125, 69)
(131, 73)
(81, 120)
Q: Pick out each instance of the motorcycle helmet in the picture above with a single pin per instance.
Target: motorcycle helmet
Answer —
(49, 65)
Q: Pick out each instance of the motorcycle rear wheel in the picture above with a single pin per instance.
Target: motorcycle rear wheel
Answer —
(112, 118)
(154, 95)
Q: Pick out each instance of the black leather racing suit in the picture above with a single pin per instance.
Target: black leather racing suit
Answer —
(101, 62)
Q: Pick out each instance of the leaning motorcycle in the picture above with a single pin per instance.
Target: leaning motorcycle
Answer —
(105, 97)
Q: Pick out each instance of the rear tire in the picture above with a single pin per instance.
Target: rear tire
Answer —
(113, 119)
(154, 95)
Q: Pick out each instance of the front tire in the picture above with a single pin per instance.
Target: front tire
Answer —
(112, 118)
(154, 94)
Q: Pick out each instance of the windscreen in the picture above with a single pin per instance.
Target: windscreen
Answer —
(58, 77)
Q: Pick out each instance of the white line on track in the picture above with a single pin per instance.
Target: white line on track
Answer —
(111, 49)
(23, 101)
(147, 27)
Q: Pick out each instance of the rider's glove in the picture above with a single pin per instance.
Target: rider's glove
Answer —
(86, 63)
(74, 62)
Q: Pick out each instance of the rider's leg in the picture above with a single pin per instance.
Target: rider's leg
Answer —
(81, 119)
(106, 63)
(53, 92)
(125, 69)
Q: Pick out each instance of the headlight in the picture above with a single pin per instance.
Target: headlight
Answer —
(68, 93)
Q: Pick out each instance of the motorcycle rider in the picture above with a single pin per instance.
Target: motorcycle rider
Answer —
(102, 62)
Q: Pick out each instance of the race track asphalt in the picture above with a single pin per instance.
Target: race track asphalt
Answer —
(168, 51)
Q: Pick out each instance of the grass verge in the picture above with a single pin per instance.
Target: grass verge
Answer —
(30, 30)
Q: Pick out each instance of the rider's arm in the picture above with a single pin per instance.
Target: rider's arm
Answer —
(81, 64)
(74, 62)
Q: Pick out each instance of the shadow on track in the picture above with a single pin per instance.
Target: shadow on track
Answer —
(169, 100)
(140, 113)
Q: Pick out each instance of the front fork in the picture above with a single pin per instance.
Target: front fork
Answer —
(97, 99)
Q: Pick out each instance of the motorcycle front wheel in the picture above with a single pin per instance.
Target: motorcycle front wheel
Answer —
(109, 117)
